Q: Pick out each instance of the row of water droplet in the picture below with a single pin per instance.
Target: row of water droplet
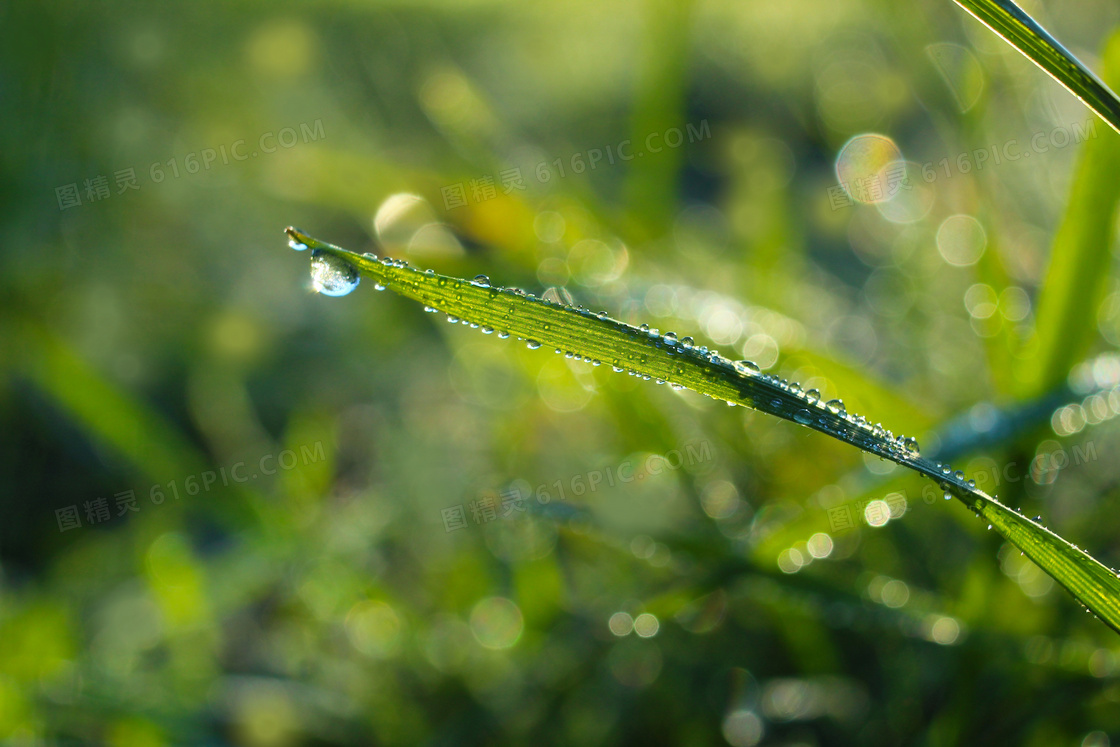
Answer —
(334, 276)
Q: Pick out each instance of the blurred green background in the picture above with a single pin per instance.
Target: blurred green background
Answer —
(238, 512)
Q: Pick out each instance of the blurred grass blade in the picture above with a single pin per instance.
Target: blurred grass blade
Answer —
(646, 353)
(1020, 30)
(128, 426)
(1077, 277)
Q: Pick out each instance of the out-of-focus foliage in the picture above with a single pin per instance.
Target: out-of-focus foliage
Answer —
(265, 477)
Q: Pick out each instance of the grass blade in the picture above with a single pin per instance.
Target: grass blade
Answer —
(1021, 31)
(1080, 257)
(650, 355)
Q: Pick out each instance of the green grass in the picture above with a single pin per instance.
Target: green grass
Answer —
(1080, 257)
(669, 359)
(1021, 31)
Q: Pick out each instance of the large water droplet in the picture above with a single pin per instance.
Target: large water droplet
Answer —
(481, 280)
(803, 416)
(747, 367)
(835, 406)
(533, 344)
(671, 338)
(331, 275)
(687, 343)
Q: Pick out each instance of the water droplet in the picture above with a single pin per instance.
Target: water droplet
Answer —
(644, 328)
(803, 416)
(775, 403)
(487, 330)
(948, 496)
(686, 343)
(378, 287)
(331, 275)
(836, 406)
(813, 395)
(971, 483)
(430, 309)
(533, 344)
(748, 367)
(958, 475)
(453, 319)
(299, 246)
(604, 315)
(670, 338)
(481, 280)
(910, 445)
(503, 335)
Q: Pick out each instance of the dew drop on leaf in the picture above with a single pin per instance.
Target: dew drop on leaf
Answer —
(747, 367)
(332, 276)
(836, 406)
(910, 445)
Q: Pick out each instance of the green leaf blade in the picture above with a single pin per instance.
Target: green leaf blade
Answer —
(1088, 580)
(649, 355)
(1076, 280)
(1021, 31)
